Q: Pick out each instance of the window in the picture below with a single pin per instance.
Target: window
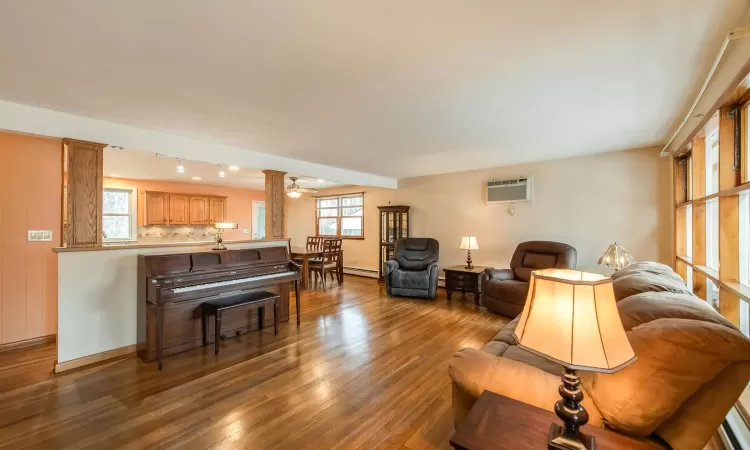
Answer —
(712, 156)
(712, 234)
(341, 216)
(744, 242)
(118, 221)
(689, 231)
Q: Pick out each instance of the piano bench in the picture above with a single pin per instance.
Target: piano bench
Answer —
(217, 306)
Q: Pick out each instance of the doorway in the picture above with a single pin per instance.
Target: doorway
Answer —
(259, 220)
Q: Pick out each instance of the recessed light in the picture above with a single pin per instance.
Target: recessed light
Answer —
(321, 181)
(234, 168)
(197, 178)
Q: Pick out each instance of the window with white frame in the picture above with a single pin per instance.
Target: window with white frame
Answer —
(340, 216)
(119, 214)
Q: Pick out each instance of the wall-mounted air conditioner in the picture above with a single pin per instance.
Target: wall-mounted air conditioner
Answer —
(509, 191)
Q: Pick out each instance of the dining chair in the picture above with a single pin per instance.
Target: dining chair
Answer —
(315, 243)
(329, 262)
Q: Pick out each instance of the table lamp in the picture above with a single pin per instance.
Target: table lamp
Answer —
(220, 227)
(616, 257)
(469, 243)
(571, 318)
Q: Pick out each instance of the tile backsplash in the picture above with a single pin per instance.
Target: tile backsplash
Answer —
(176, 233)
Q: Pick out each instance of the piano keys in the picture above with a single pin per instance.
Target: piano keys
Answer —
(171, 289)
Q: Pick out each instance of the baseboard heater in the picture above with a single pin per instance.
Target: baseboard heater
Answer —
(372, 273)
(359, 271)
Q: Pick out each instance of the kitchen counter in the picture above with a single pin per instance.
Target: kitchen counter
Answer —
(131, 245)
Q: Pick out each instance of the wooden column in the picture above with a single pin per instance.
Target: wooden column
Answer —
(699, 215)
(729, 221)
(275, 196)
(85, 192)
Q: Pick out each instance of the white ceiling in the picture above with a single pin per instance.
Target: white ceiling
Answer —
(142, 165)
(396, 88)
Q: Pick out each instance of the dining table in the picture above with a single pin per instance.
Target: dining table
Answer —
(305, 255)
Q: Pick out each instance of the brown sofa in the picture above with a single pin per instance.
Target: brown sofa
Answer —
(504, 290)
(692, 366)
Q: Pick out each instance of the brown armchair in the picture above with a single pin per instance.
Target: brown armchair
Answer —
(504, 290)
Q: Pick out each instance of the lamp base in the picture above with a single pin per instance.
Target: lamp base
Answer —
(219, 242)
(468, 260)
(559, 440)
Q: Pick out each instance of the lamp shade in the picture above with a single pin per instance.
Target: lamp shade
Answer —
(616, 257)
(225, 226)
(469, 243)
(571, 318)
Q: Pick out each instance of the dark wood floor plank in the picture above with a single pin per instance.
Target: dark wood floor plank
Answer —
(362, 371)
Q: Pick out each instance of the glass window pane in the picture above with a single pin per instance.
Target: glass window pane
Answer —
(712, 163)
(356, 211)
(712, 234)
(116, 202)
(744, 238)
(689, 230)
(330, 212)
(712, 294)
(351, 201)
(327, 227)
(116, 227)
(351, 226)
(328, 202)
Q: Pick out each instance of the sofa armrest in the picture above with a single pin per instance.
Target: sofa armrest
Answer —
(433, 270)
(390, 266)
(474, 371)
(499, 274)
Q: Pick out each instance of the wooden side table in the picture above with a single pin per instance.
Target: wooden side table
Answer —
(459, 278)
(496, 422)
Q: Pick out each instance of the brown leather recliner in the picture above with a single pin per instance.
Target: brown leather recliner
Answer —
(504, 290)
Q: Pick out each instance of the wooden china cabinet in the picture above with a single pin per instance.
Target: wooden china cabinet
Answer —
(394, 225)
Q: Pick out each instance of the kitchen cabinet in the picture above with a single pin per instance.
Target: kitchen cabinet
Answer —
(217, 209)
(198, 210)
(157, 208)
(179, 209)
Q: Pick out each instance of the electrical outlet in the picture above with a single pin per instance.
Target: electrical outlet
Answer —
(245, 231)
(39, 235)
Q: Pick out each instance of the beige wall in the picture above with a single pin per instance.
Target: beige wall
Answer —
(588, 202)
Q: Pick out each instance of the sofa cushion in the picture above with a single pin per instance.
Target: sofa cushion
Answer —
(675, 358)
(509, 291)
(645, 282)
(506, 333)
(535, 261)
(649, 306)
(410, 279)
(649, 267)
(516, 353)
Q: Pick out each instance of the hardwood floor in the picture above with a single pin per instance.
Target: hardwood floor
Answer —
(362, 371)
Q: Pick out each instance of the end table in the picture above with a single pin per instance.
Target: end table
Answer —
(496, 422)
(463, 279)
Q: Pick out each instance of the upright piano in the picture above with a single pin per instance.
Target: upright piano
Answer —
(171, 289)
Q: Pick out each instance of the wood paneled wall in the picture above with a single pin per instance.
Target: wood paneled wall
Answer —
(275, 197)
(30, 199)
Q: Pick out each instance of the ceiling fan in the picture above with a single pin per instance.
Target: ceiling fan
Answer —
(295, 191)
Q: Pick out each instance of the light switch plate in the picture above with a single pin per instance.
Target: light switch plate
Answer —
(245, 231)
(39, 235)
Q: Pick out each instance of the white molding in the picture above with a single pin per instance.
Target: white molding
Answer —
(44, 122)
